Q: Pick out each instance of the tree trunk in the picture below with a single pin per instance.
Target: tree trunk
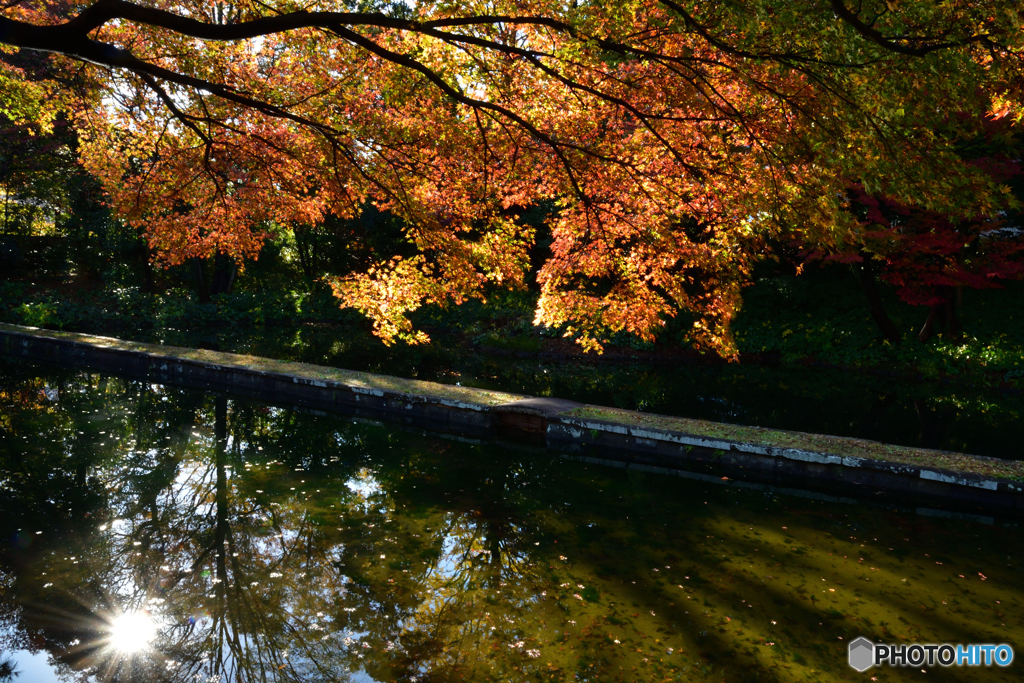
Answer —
(942, 315)
(224, 271)
(935, 312)
(300, 248)
(933, 425)
(868, 428)
(949, 294)
(866, 277)
(142, 252)
(7, 207)
(204, 292)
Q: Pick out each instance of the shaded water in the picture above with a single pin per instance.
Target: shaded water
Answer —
(267, 544)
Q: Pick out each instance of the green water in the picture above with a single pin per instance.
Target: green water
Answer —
(266, 544)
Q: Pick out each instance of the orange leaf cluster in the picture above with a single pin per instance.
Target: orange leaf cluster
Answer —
(678, 139)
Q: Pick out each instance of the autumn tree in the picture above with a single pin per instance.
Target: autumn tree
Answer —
(676, 137)
(929, 256)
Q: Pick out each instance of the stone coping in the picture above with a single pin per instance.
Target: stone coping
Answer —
(352, 378)
(798, 445)
(940, 466)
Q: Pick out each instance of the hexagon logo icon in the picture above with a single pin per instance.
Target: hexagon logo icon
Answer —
(862, 654)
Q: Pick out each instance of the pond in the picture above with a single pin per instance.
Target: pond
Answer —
(160, 534)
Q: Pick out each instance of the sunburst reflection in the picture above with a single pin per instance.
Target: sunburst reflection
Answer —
(132, 632)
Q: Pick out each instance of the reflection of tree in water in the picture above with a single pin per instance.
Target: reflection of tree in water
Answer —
(8, 613)
(49, 490)
(220, 573)
(463, 597)
(186, 519)
(191, 521)
(272, 545)
(230, 577)
(265, 583)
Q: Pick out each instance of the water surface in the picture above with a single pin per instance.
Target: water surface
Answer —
(246, 542)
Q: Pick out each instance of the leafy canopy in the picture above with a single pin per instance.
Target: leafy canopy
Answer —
(677, 137)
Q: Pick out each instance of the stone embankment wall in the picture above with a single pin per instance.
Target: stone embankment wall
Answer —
(845, 466)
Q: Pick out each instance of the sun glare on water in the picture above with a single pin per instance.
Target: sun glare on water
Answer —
(132, 632)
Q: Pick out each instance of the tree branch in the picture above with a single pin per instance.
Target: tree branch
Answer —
(876, 36)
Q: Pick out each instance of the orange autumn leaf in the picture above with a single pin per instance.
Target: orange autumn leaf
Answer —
(678, 139)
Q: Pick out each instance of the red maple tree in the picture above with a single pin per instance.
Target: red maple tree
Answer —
(929, 256)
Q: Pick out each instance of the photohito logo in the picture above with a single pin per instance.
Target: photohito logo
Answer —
(864, 654)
